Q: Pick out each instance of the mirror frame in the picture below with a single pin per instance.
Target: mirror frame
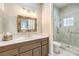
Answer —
(19, 18)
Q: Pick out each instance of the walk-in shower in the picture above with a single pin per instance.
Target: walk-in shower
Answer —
(66, 26)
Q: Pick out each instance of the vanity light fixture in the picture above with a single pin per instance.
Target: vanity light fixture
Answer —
(30, 13)
(28, 10)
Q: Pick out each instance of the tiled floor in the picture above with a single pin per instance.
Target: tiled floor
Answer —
(64, 53)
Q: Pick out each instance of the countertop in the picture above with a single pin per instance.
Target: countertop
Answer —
(21, 39)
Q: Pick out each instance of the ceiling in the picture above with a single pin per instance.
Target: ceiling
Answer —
(60, 5)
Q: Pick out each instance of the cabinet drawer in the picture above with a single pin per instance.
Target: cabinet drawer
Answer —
(9, 53)
(44, 41)
(28, 53)
(28, 47)
(28, 43)
(8, 47)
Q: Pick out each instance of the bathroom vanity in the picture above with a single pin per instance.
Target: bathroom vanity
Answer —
(31, 46)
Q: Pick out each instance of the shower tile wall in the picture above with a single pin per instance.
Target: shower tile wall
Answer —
(64, 35)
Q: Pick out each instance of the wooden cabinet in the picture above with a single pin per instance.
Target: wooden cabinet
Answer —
(28, 53)
(12, 52)
(38, 47)
(45, 47)
(37, 51)
(44, 50)
(44, 41)
(29, 47)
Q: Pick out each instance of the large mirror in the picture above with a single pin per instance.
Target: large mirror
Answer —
(26, 24)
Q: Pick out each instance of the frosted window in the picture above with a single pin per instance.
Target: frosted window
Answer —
(69, 21)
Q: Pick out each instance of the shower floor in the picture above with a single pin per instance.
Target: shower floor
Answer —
(64, 53)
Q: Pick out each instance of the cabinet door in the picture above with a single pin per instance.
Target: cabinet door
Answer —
(37, 51)
(29, 47)
(28, 53)
(44, 41)
(44, 50)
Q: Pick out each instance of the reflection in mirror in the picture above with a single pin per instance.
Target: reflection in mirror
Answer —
(31, 24)
(25, 24)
